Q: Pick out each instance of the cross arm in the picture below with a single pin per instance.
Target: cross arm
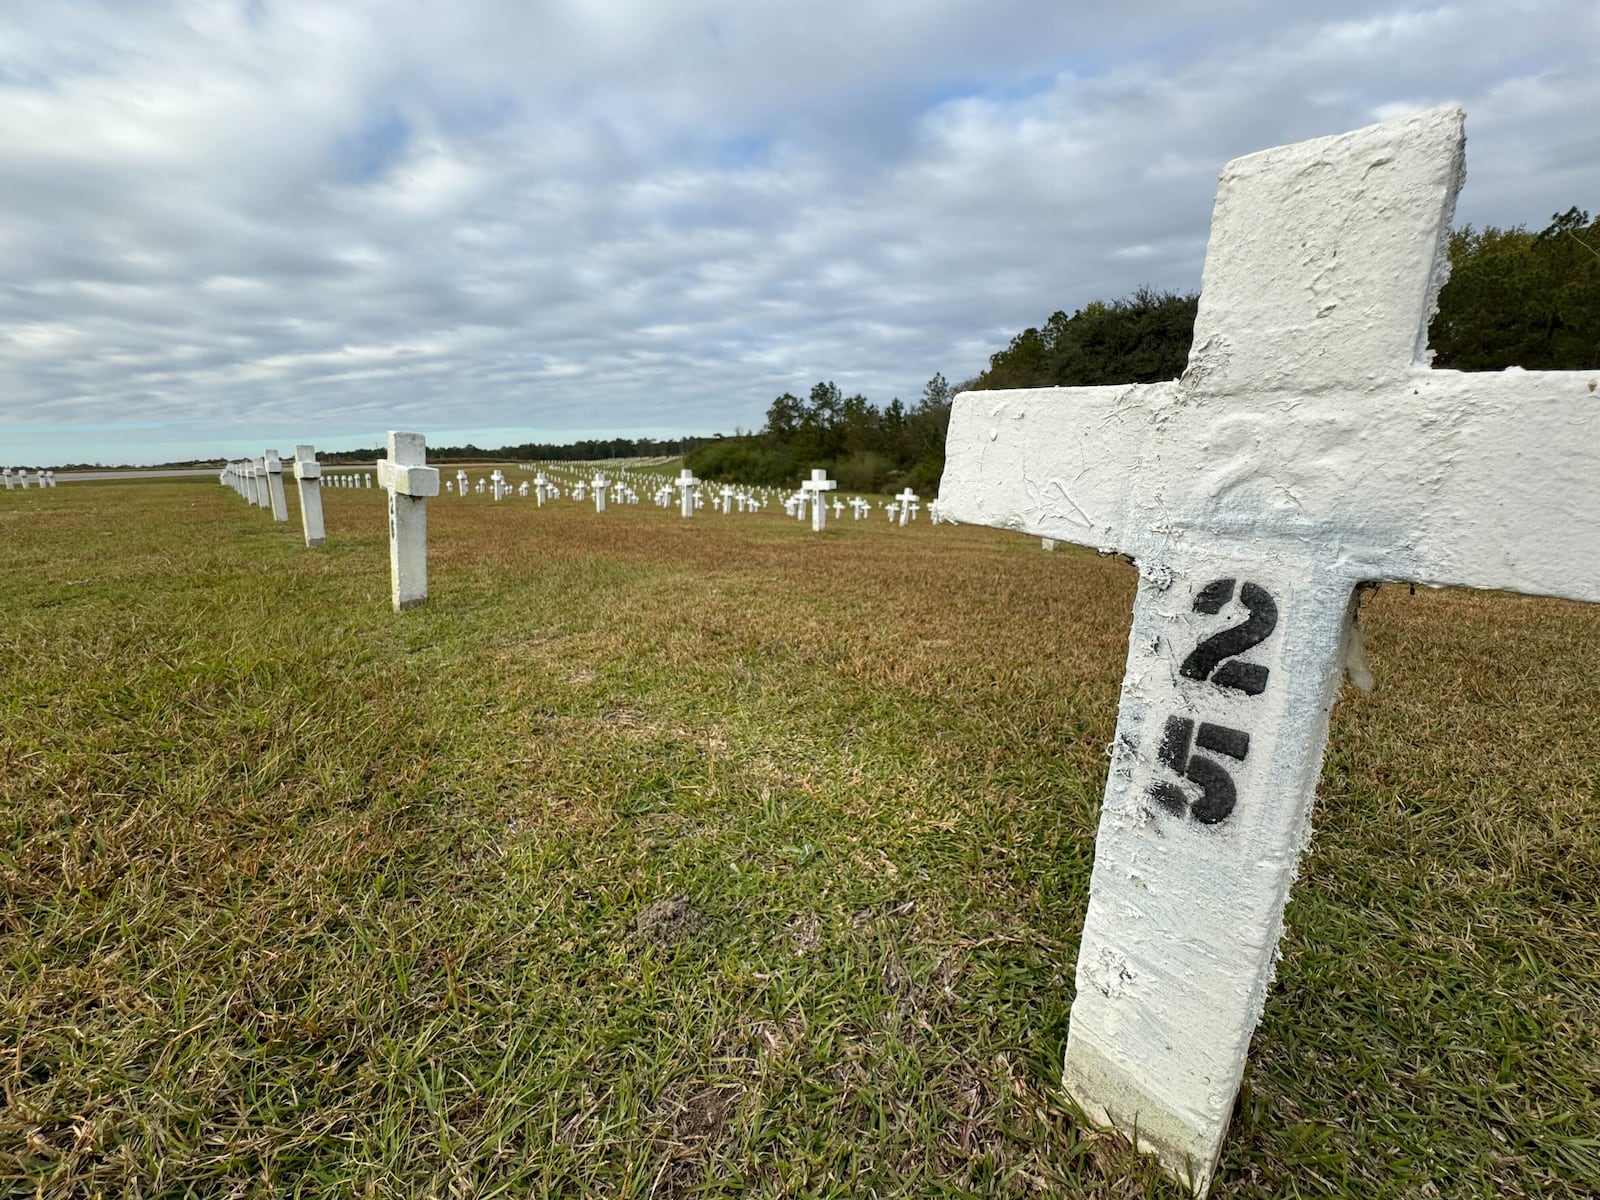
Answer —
(1052, 462)
(408, 480)
(1504, 480)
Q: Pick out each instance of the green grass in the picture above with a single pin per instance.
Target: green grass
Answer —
(665, 858)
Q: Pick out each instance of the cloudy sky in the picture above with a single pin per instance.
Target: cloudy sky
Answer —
(236, 223)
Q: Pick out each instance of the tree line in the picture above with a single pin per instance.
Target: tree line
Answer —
(586, 449)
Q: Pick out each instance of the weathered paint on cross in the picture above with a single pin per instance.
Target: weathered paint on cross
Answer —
(1308, 448)
(308, 475)
(410, 482)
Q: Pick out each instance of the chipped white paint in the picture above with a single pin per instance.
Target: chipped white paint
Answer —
(817, 489)
(1307, 448)
(275, 496)
(409, 483)
(308, 475)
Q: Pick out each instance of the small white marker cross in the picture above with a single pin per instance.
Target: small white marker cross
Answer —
(272, 465)
(1308, 448)
(816, 489)
(686, 484)
(907, 498)
(410, 482)
(598, 485)
(308, 475)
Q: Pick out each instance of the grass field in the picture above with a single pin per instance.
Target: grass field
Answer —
(657, 858)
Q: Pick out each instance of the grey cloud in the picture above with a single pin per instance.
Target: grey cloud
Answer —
(297, 220)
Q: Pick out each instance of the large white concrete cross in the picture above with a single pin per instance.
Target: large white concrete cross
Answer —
(817, 488)
(1307, 448)
(410, 483)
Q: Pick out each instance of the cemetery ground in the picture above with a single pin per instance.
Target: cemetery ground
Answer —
(664, 857)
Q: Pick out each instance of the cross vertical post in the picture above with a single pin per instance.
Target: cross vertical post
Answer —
(410, 482)
(1307, 449)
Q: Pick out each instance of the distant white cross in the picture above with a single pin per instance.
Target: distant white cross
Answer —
(687, 484)
(410, 482)
(1307, 449)
(308, 478)
(906, 498)
(817, 488)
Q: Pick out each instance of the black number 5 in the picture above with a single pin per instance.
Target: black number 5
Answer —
(1217, 793)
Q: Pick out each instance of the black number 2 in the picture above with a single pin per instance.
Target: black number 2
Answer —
(1208, 659)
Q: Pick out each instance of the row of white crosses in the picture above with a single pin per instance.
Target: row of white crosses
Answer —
(1307, 450)
(260, 482)
(21, 478)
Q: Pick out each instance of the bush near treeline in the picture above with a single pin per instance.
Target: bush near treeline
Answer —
(865, 448)
(1514, 299)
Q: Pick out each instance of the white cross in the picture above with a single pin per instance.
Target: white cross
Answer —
(817, 488)
(599, 484)
(410, 483)
(727, 500)
(308, 476)
(540, 486)
(1308, 448)
(687, 484)
(860, 507)
(10, 481)
(907, 498)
